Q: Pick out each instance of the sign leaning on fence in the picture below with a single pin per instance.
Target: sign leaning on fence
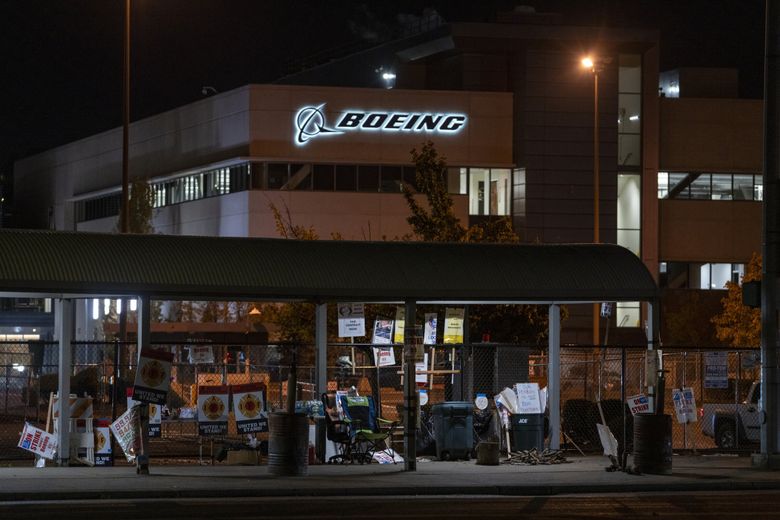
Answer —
(153, 377)
(155, 414)
(249, 407)
(716, 370)
(352, 320)
(638, 404)
(684, 405)
(213, 409)
(125, 429)
(103, 454)
(38, 441)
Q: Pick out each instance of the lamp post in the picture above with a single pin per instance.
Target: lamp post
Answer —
(124, 217)
(595, 66)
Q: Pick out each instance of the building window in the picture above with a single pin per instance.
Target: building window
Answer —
(627, 314)
(629, 210)
(710, 186)
(368, 178)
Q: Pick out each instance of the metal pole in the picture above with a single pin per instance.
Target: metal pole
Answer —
(554, 375)
(410, 389)
(63, 389)
(124, 218)
(144, 330)
(770, 397)
(321, 339)
(596, 186)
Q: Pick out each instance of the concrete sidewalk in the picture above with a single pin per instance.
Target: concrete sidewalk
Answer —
(582, 475)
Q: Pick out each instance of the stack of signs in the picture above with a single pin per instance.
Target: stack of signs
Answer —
(125, 430)
(352, 321)
(383, 335)
(528, 400)
(155, 414)
(684, 405)
(638, 404)
(103, 454)
(38, 441)
(249, 408)
(153, 376)
(213, 410)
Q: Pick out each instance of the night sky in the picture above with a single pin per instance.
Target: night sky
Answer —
(62, 59)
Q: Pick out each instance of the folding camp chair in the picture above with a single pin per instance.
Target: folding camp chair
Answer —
(369, 433)
(337, 431)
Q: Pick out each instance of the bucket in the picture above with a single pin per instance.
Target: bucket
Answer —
(653, 443)
(487, 453)
(288, 444)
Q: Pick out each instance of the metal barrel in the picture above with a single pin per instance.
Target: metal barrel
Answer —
(653, 443)
(288, 444)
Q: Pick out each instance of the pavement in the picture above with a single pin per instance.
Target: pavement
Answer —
(581, 475)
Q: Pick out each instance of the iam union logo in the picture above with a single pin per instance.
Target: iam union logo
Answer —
(310, 122)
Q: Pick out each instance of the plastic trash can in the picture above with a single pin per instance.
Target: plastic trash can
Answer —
(453, 425)
(527, 431)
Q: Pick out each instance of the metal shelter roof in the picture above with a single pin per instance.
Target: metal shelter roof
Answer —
(189, 267)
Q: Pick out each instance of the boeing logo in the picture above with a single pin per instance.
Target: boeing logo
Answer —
(310, 122)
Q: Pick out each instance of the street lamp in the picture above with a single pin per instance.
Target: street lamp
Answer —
(595, 65)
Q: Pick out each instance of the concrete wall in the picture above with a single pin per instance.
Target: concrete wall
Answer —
(711, 135)
(709, 231)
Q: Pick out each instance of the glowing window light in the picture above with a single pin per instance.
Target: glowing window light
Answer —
(119, 306)
(95, 309)
(106, 306)
(133, 304)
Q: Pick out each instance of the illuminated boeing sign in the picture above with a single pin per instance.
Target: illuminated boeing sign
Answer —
(310, 122)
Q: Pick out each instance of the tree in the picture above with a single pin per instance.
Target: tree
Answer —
(437, 222)
(141, 205)
(739, 325)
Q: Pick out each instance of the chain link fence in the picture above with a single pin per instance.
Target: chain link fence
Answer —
(589, 377)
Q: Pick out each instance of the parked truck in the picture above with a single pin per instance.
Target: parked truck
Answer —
(732, 424)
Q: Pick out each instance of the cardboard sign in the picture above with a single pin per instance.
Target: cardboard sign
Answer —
(400, 319)
(213, 410)
(153, 377)
(155, 414)
(38, 441)
(384, 356)
(528, 398)
(352, 321)
(383, 332)
(453, 325)
(420, 377)
(125, 430)
(716, 370)
(201, 354)
(684, 405)
(102, 432)
(431, 322)
(249, 408)
(638, 404)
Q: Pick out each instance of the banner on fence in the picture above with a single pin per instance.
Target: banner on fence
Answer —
(453, 325)
(37, 441)
(249, 408)
(716, 370)
(213, 409)
(684, 405)
(155, 414)
(383, 332)
(638, 404)
(400, 319)
(153, 377)
(431, 322)
(352, 320)
(125, 430)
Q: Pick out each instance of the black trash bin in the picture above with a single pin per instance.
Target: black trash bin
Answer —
(527, 431)
(453, 425)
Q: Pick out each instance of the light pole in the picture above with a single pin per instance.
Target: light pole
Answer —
(124, 220)
(595, 66)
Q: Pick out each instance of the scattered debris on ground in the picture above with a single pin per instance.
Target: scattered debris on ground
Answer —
(532, 457)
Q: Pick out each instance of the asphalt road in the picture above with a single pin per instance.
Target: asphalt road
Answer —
(752, 505)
